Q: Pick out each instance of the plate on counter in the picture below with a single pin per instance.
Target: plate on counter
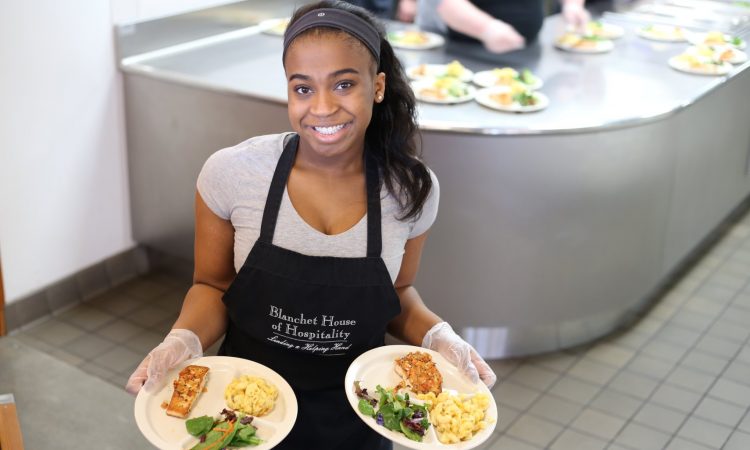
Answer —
(275, 27)
(454, 70)
(506, 76)
(444, 91)
(662, 33)
(716, 38)
(415, 39)
(725, 53)
(577, 43)
(604, 30)
(375, 367)
(694, 64)
(501, 98)
(169, 433)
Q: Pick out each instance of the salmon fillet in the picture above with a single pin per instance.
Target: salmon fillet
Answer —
(419, 373)
(187, 388)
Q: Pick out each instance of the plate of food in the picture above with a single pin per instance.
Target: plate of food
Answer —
(662, 33)
(506, 76)
(700, 65)
(275, 27)
(415, 397)
(445, 90)
(716, 38)
(603, 30)
(415, 39)
(512, 99)
(578, 43)
(217, 400)
(454, 69)
(725, 53)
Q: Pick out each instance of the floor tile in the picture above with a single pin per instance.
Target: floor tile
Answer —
(118, 359)
(690, 379)
(642, 438)
(144, 288)
(678, 334)
(745, 424)
(616, 403)
(99, 371)
(34, 342)
(663, 419)
(86, 317)
(149, 316)
(575, 390)
(719, 411)
(56, 332)
(170, 300)
(704, 432)
(144, 342)
(599, 424)
(726, 329)
(718, 347)
(693, 320)
(738, 441)
(506, 417)
(679, 443)
(614, 355)
(559, 362)
(675, 397)
(515, 395)
(573, 440)
(592, 371)
(664, 351)
(631, 339)
(704, 306)
(740, 316)
(89, 346)
(533, 430)
(555, 409)
(534, 377)
(731, 391)
(650, 366)
(119, 330)
(116, 302)
(508, 443)
(164, 327)
(503, 368)
(633, 384)
(704, 362)
(70, 358)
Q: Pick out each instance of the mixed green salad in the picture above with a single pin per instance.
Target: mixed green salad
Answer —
(230, 429)
(394, 411)
(526, 98)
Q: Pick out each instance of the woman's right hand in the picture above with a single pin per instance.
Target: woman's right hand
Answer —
(499, 37)
(179, 345)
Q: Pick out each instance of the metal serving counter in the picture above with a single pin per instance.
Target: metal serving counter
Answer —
(554, 227)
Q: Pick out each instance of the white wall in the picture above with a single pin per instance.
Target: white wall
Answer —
(130, 11)
(63, 175)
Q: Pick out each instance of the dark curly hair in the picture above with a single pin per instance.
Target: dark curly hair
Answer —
(392, 133)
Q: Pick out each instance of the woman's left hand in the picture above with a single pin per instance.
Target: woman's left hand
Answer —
(445, 341)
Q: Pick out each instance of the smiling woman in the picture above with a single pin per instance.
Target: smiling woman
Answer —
(307, 243)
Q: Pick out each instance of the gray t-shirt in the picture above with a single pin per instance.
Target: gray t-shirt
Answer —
(234, 184)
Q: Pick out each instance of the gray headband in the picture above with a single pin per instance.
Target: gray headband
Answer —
(339, 19)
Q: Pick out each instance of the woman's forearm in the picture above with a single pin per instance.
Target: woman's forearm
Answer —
(203, 313)
(464, 17)
(415, 319)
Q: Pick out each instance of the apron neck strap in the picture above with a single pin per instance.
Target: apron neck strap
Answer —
(278, 184)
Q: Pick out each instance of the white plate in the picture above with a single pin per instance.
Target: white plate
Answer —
(602, 46)
(487, 78)
(700, 38)
(431, 40)
(662, 33)
(737, 56)
(483, 98)
(168, 433)
(376, 367)
(418, 85)
(607, 31)
(275, 27)
(721, 69)
(435, 70)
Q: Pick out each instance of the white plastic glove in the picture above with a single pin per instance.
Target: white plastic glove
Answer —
(445, 341)
(576, 15)
(499, 37)
(179, 345)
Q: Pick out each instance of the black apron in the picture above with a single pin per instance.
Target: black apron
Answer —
(526, 16)
(309, 317)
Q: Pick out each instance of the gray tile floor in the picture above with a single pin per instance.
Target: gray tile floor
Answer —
(679, 379)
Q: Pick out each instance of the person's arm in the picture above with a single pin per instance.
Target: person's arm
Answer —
(496, 35)
(574, 13)
(417, 325)
(406, 11)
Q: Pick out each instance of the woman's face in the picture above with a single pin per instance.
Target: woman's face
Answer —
(332, 87)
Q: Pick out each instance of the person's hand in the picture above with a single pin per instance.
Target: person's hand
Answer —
(499, 37)
(406, 11)
(179, 345)
(576, 15)
(445, 341)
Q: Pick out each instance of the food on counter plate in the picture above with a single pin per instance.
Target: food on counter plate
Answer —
(456, 417)
(419, 373)
(574, 42)
(442, 90)
(717, 38)
(667, 33)
(515, 98)
(187, 387)
(452, 70)
(415, 39)
(506, 76)
(394, 411)
(251, 395)
(603, 30)
(230, 429)
(719, 53)
(699, 64)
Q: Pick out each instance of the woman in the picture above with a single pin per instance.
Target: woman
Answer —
(336, 215)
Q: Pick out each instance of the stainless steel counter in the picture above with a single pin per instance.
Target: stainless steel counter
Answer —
(554, 227)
